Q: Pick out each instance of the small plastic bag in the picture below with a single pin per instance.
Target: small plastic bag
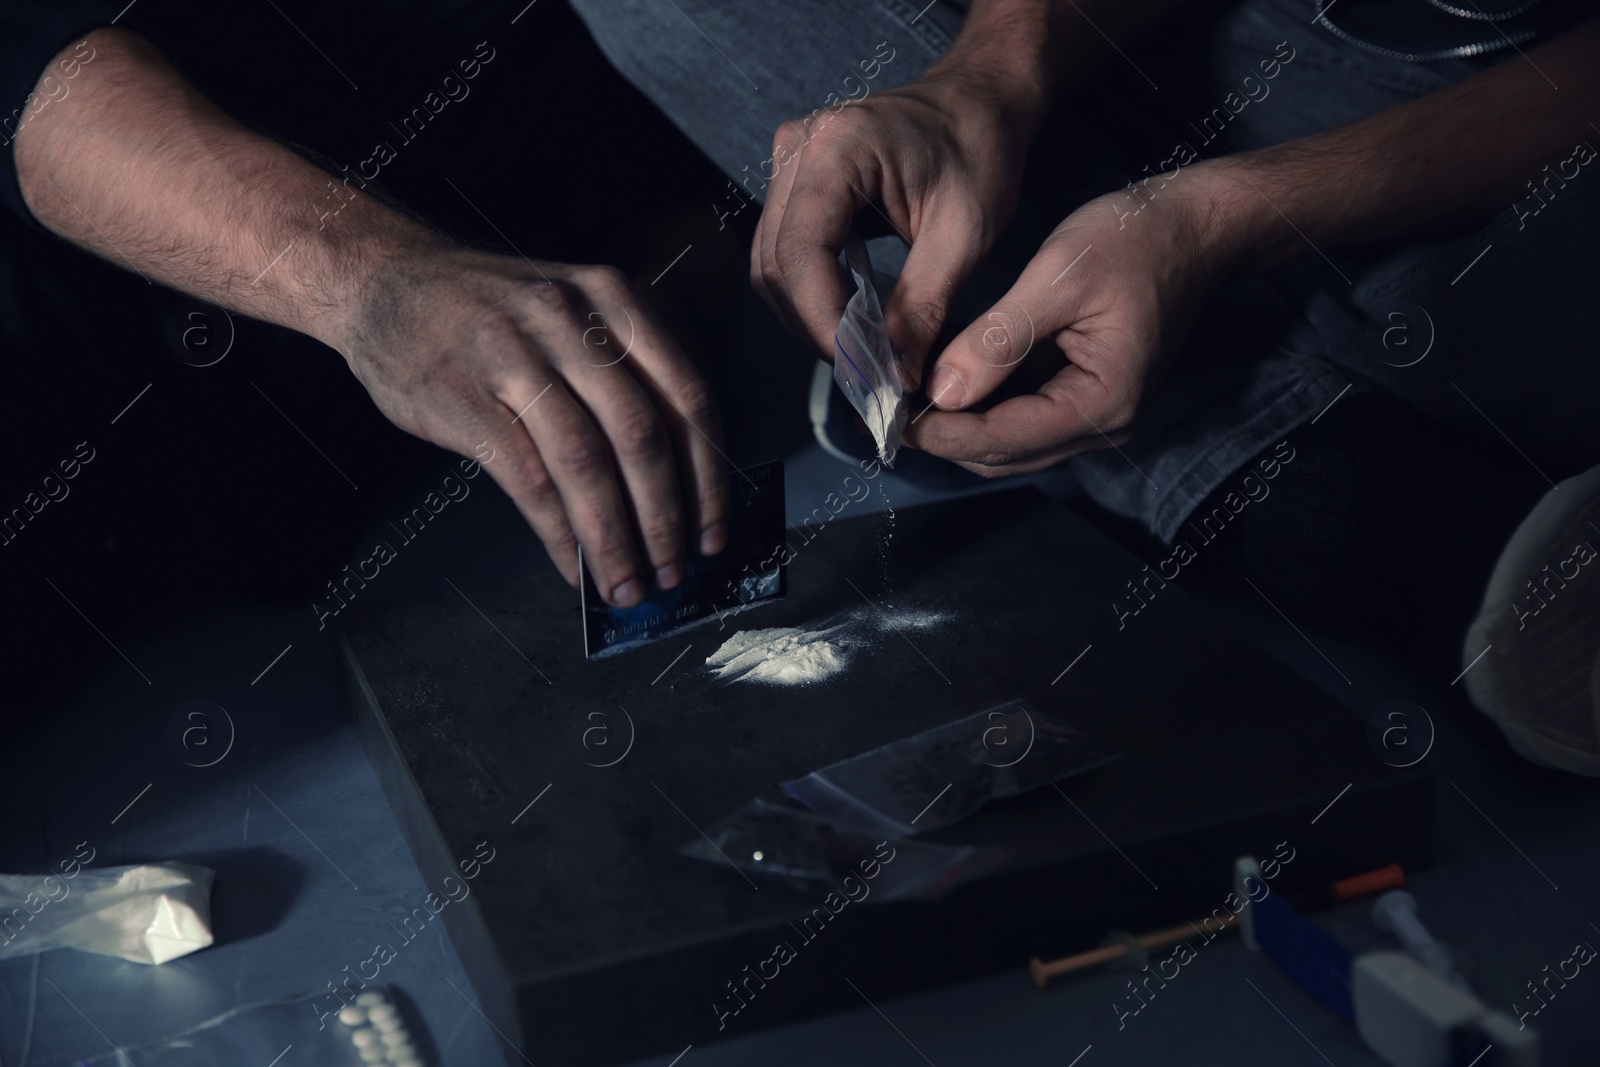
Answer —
(380, 1028)
(149, 913)
(772, 839)
(865, 365)
(941, 776)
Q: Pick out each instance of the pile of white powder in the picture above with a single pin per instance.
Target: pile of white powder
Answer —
(792, 655)
(786, 655)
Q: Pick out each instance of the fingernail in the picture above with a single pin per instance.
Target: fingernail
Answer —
(628, 594)
(668, 576)
(946, 388)
(713, 538)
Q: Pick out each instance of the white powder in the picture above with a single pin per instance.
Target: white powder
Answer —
(884, 416)
(785, 655)
(909, 620)
(793, 655)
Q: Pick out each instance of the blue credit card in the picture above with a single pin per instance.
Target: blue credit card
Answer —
(749, 571)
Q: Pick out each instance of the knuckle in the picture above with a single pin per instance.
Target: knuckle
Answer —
(787, 250)
(639, 434)
(696, 403)
(713, 506)
(606, 280)
(926, 315)
(554, 299)
(791, 133)
(665, 533)
(530, 477)
(562, 546)
(583, 454)
(1123, 411)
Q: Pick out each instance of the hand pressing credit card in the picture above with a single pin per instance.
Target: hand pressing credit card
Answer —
(747, 572)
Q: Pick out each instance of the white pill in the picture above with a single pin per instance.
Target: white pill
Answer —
(397, 1036)
(369, 999)
(402, 1052)
(372, 1054)
(351, 1015)
(384, 1016)
(364, 1038)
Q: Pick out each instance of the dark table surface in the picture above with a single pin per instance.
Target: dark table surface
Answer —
(312, 867)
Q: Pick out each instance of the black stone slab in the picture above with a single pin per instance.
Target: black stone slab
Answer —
(591, 932)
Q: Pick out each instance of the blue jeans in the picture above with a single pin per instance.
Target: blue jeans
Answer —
(1496, 343)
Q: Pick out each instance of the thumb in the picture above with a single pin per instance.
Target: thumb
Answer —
(937, 266)
(992, 346)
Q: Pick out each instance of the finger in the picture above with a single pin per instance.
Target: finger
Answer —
(821, 205)
(578, 457)
(525, 479)
(1070, 406)
(1047, 459)
(985, 354)
(764, 274)
(945, 248)
(635, 429)
(690, 412)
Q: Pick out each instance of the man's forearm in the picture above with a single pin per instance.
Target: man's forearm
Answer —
(1033, 51)
(1441, 162)
(138, 167)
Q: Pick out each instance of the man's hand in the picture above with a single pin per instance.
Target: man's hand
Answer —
(1114, 290)
(605, 434)
(1436, 164)
(944, 158)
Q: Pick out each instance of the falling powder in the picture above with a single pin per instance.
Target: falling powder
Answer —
(785, 655)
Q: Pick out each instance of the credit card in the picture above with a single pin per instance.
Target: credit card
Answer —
(749, 571)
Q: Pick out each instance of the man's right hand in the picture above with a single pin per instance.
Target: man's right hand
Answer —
(604, 434)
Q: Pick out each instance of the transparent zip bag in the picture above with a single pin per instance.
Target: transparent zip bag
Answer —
(774, 839)
(941, 776)
(147, 913)
(865, 364)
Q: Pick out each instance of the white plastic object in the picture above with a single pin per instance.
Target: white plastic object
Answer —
(1396, 912)
(150, 913)
(1409, 1015)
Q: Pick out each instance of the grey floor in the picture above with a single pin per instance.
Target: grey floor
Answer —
(312, 867)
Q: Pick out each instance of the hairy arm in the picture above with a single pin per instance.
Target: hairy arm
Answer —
(1437, 163)
(456, 346)
(138, 167)
(1032, 52)
(1116, 295)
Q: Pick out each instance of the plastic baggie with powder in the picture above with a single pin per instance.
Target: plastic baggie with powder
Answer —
(864, 362)
(150, 913)
(774, 839)
(941, 776)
